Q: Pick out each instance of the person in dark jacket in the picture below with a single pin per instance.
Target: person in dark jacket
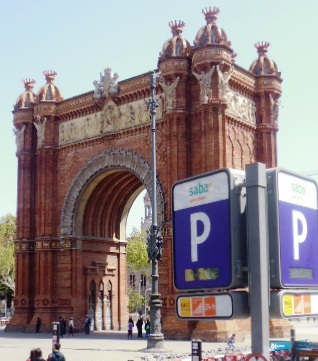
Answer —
(38, 325)
(38, 355)
(56, 355)
(62, 322)
(139, 324)
(87, 324)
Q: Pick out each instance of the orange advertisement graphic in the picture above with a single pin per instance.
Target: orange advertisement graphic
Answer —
(197, 307)
(298, 306)
(210, 306)
(307, 304)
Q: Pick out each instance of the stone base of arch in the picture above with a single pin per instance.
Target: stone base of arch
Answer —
(209, 331)
(218, 331)
(280, 328)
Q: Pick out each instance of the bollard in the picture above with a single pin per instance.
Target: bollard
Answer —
(293, 345)
(196, 350)
(55, 333)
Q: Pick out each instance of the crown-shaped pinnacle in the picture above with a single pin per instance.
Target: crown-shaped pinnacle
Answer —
(211, 14)
(28, 83)
(177, 27)
(50, 75)
(262, 47)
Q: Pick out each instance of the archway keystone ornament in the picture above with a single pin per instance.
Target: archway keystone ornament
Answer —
(83, 161)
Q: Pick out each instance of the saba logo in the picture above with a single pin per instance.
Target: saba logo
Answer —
(199, 189)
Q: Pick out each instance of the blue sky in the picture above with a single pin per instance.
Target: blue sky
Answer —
(78, 39)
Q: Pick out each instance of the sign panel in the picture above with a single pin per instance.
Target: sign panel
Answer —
(213, 306)
(289, 304)
(206, 249)
(293, 230)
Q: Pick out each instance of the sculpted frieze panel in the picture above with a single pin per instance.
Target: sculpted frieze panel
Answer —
(241, 107)
(112, 118)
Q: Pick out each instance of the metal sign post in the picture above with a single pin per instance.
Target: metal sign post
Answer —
(258, 257)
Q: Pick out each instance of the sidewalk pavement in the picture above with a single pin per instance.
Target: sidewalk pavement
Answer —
(114, 346)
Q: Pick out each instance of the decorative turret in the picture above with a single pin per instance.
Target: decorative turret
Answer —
(263, 65)
(177, 45)
(49, 92)
(28, 98)
(210, 33)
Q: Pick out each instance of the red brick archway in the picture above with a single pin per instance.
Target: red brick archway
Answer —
(82, 161)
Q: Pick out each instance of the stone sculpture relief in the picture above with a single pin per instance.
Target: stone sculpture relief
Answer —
(107, 84)
(204, 80)
(241, 107)
(237, 105)
(19, 138)
(224, 88)
(170, 92)
(110, 119)
(40, 129)
(275, 107)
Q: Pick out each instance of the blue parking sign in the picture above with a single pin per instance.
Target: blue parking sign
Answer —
(293, 229)
(206, 249)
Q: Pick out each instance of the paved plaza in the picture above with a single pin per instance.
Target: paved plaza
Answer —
(114, 346)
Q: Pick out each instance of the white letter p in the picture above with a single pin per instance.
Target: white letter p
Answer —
(195, 238)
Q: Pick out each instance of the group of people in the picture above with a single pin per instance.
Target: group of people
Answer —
(63, 326)
(55, 355)
(139, 325)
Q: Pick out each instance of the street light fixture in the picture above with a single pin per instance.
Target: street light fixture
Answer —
(155, 339)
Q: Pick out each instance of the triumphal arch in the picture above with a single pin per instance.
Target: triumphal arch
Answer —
(83, 161)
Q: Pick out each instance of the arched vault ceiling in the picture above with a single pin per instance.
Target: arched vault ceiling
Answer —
(105, 207)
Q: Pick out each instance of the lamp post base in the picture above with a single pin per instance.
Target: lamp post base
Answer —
(155, 343)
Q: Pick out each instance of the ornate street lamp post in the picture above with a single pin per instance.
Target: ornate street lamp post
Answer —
(155, 340)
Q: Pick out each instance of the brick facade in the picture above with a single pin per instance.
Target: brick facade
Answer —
(82, 162)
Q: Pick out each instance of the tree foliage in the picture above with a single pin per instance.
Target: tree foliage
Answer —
(137, 256)
(7, 256)
(136, 301)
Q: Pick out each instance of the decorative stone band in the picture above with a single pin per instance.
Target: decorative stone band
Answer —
(43, 302)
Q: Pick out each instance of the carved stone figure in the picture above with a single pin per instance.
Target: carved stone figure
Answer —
(19, 138)
(170, 91)
(224, 88)
(40, 128)
(97, 92)
(109, 82)
(275, 107)
(205, 84)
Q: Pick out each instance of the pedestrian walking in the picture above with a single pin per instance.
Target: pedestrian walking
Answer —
(130, 327)
(38, 355)
(32, 355)
(231, 342)
(147, 327)
(38, 325)
(139, 324)
(62, 322)
(70, 327)
(87, 324)
(56, 355)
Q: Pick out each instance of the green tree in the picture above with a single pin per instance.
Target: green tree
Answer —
(7, 256)
(136, 301)
(137, 262)
(137, 256)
